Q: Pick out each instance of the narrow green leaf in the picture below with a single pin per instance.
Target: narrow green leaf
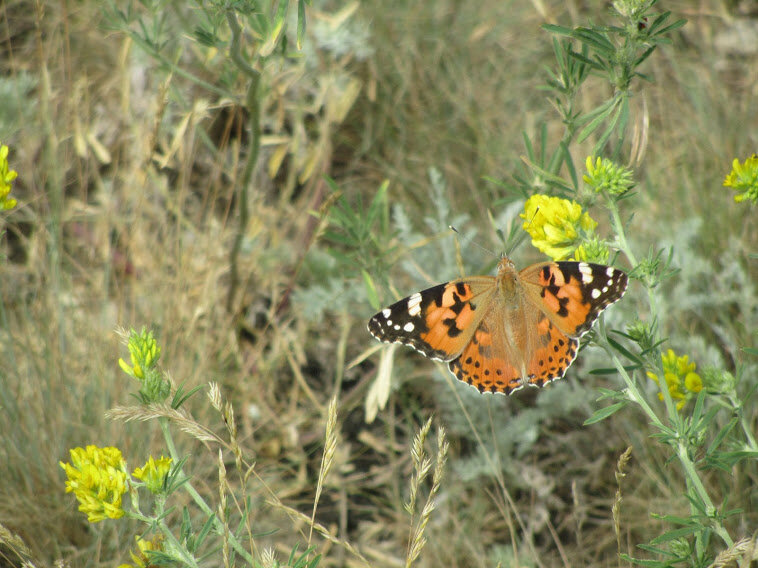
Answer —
(569, 161)
(528, 146)
(676, 25)
(677, 533)
(645, 55)
(595, 39)
(722, 434)
(613, 370)
(275, 30)
(641, 561)
(604, 413)
(586, 60)
(371, 294)
(558, 30)
(205, 530)
(593, 125)
(300, 23)
(624, 351)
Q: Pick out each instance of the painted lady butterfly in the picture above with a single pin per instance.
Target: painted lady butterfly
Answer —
(501, 333)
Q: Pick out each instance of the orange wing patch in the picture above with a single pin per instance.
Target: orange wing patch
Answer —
(573, 294)
(448, 318)
(439, 321)
(551, 361)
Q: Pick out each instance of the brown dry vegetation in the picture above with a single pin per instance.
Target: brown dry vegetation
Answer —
(127, 214)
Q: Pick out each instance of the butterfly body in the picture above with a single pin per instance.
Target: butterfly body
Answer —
(499, 333)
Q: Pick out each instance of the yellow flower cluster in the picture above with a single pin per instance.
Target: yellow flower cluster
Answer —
(6, 178)
(144, 353)
(557, 226)
(97, 477)
(141, 558)
(744, 178)
(154, 473)
(680, 376)
(606, 176)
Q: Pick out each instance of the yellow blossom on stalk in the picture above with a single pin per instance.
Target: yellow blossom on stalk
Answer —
(6, 177)
(97, 477)
(142, 558)
(144, 353)
(557, 226)
(680, 376)
(592, 250)
(606, 176)
(744, 178)
(154, 473)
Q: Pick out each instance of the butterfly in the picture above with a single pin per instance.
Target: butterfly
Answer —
(499, 333)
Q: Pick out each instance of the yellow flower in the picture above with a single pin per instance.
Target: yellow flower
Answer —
(6, 177)
(154, 473)
(744, 177)
(680, 377)
(592, 250)
(607, 176)
(144, 547)
(97, 477)
(557, 226)
(144, 354)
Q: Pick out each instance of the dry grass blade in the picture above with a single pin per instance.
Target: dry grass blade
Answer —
(616, 507)
(330, 445)
(296, 515)
(15, 544)
(222, 490)
(179, 417)
(422, 464)
(741, 554)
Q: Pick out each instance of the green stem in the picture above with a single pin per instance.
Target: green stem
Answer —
(177, 547)
(677, 432)
(196, 497)
(693, 480)
(253, 104)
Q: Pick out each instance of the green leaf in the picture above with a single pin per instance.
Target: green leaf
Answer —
(558, 30)
(625, 352)
(597, 121)
(300, 23)
(205, 530)
(604, 413)
(595, 39)
(677, 533)
(179, 398)
(275, 31)
(371, 293)
(569, 161)
(645, 55)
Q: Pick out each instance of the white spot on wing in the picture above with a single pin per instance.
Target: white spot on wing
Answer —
(408, 327)
(414, 305)
(595, 293)
(586, 271)
(386, 312)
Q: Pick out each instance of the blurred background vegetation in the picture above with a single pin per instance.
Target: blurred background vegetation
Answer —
(131, 150)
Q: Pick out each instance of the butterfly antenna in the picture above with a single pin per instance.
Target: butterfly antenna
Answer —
(518, 241)
(472, 241)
